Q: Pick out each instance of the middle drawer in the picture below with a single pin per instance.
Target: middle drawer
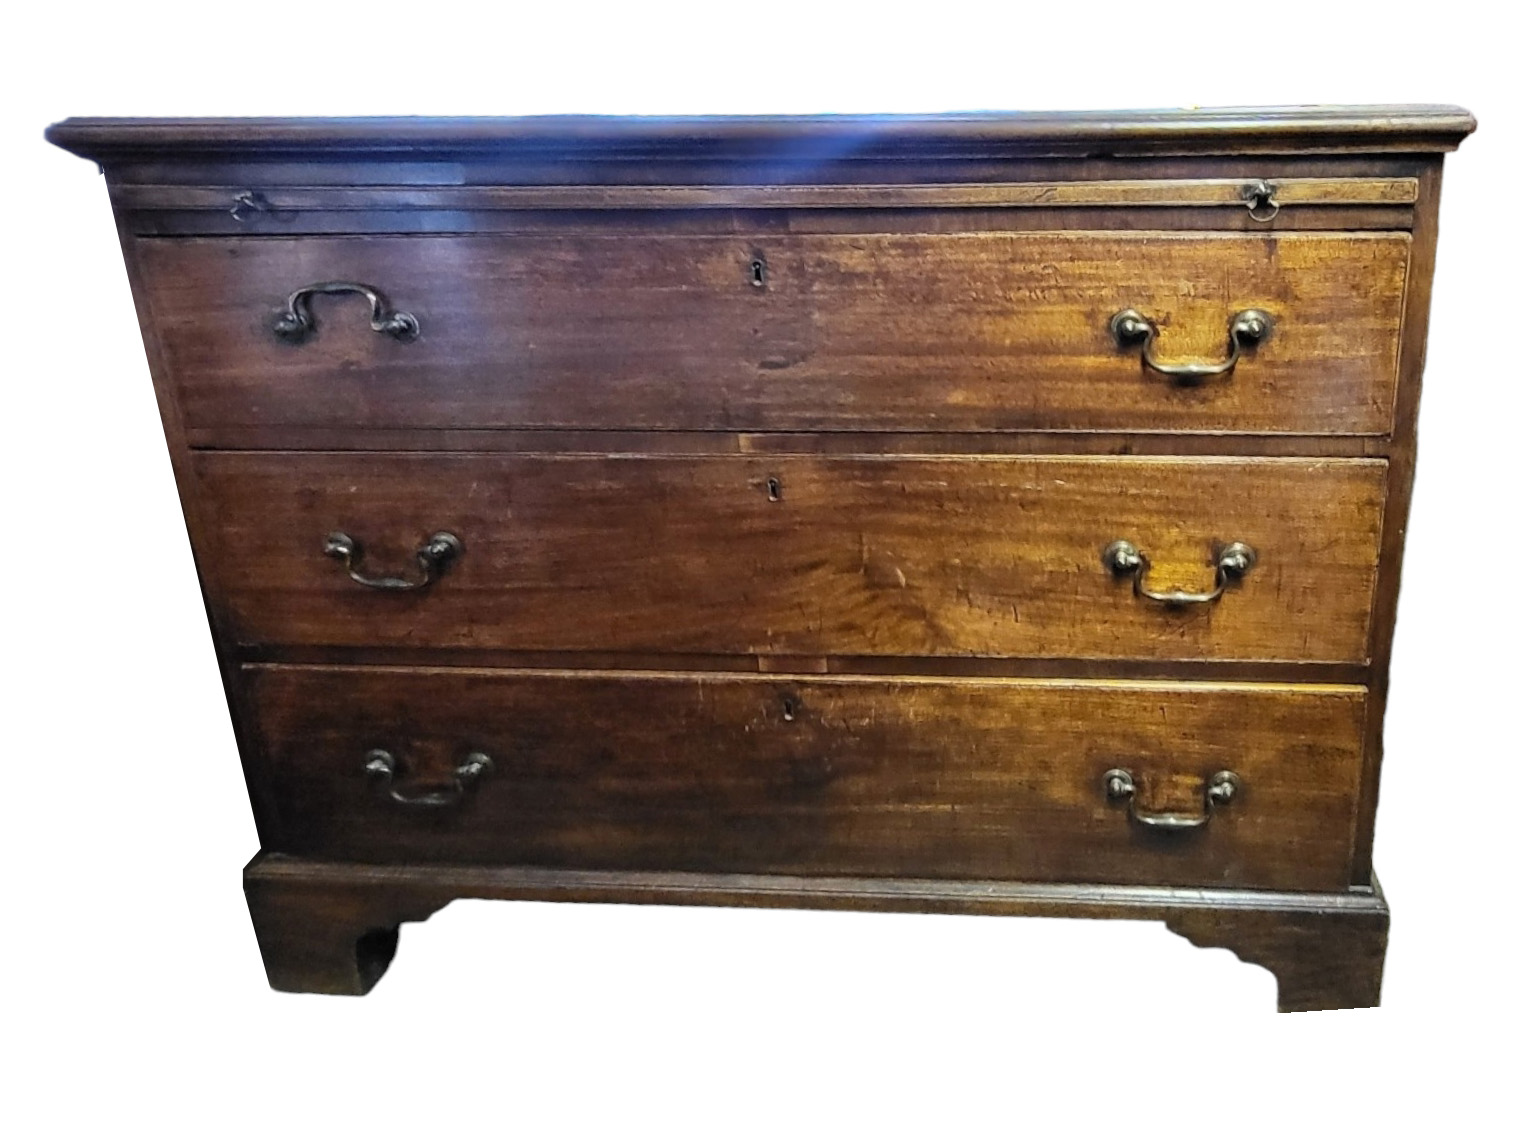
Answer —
(818, 556)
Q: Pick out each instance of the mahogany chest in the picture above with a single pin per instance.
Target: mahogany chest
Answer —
(994, 513)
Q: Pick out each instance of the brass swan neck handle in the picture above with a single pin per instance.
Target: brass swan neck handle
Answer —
(433, 557)
(1231, 563)
(1247, 329)
(296, 323)
(380, 766)
(1221, 788)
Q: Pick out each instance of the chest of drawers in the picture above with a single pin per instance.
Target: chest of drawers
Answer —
(967, 513)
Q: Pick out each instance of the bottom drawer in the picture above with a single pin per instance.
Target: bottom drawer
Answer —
(912, 777)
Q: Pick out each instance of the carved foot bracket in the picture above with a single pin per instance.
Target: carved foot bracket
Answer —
(1322, 959)
(326, 935)
(332, 926)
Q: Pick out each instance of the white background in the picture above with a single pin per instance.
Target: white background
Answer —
(133, 995)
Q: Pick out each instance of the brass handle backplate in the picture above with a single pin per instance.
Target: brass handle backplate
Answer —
(1220, 789)
(1247, 330)
(433, 557)
(380, 766)
(297, 323)
(1231, 563)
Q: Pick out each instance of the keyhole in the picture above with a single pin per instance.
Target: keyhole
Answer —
(757, 273)
(773, 488)
(790, 706)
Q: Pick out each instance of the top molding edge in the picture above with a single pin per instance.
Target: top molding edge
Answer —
(1381, 129)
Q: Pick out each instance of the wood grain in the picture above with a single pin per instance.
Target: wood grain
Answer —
(327, 926)
(1401, 470)
(780, 166)
(1323, 960)
(914, 332)
(1197, 192)
(560, 441)
(863, 556)
(194, 194)
(1212, 130)
(731, 223)
(917, 778)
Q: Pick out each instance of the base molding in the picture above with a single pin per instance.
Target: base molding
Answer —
(331, 927)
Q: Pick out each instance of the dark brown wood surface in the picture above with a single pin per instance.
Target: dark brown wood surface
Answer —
(1212, 130)
(234, 171)
(917, 778)
(331, 927)
(921, 332)
(217, 221)
(1400, 489)
(1221, 195)
(855, 556)
(561, 441)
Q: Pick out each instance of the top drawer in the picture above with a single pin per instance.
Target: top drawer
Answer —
(981, 331)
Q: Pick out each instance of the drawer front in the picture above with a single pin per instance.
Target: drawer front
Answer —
(859, 556)
(871, 332)
(905, 777)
